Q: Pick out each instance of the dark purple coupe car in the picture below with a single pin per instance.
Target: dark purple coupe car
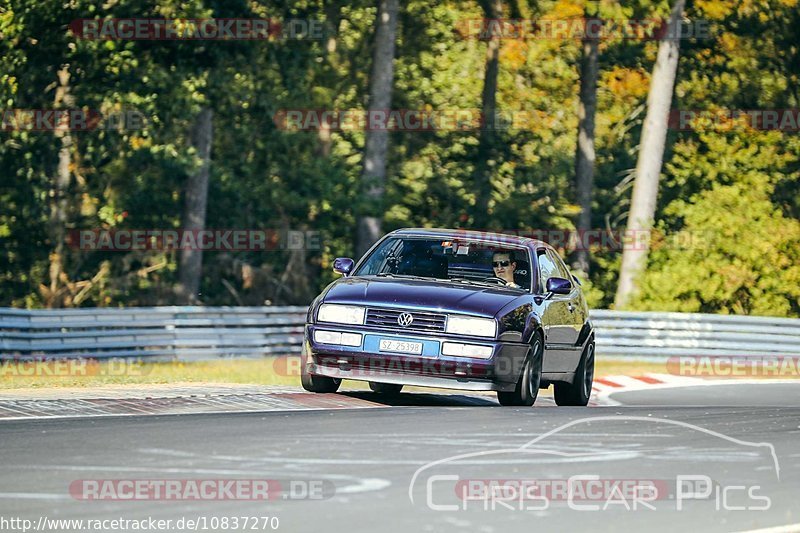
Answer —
(453, 309)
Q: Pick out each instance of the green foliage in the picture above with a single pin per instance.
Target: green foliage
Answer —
(737, 252)
(740, 187)
(730, 191)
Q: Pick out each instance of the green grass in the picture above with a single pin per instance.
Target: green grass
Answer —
(262, 371)
(268, 371)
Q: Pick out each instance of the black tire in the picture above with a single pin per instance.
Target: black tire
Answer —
(387, 389)
(313, 383)
(528, 385)
(577, 393)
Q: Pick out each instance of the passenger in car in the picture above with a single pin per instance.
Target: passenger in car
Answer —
(504, 265)
(419, 260)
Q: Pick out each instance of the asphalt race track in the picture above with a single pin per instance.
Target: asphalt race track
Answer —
(410, 466)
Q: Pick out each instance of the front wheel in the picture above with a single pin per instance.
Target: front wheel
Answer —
(528, 385)
(578, 392)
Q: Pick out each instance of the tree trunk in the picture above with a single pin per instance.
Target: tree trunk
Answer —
(648, 167)
(373, 177)
(484, 167)
(584, 155)
(58, 205)
(194, 211)
(329, 76)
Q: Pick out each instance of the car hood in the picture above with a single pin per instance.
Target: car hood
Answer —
(422, 294)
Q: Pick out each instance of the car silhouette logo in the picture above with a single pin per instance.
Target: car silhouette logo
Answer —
(405, 319)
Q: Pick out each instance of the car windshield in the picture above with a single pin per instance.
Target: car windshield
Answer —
(469, 262)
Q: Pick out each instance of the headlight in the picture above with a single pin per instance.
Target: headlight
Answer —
(466, 350)
(336, 337)
(341, 314)
(482, 327)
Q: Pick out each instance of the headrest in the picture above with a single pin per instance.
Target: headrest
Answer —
(522, 274)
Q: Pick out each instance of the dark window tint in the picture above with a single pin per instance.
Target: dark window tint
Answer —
(442, 259)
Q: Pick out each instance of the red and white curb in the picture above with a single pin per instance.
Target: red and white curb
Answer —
(605, 386)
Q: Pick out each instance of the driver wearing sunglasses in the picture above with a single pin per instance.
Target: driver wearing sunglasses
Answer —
(504, 266)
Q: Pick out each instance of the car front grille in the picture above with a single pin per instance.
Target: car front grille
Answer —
(387, 318)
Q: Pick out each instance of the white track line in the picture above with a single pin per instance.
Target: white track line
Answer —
(789, 528)
(606, 386)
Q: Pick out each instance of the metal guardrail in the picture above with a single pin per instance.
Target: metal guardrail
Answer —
(184, 333)
(661, 335)
(194, 333)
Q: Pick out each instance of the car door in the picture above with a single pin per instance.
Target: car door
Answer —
(556, 318)
(575, 305)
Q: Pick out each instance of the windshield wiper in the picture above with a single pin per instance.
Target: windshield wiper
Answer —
(482, 282)
(475, 281)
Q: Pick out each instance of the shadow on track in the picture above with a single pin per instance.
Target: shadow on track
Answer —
(421, 399)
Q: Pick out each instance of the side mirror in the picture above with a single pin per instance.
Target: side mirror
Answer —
(343, 265)
(559, 286)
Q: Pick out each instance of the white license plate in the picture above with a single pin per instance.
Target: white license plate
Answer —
(389, 345)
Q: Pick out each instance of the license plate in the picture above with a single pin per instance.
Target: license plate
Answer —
(389, 345)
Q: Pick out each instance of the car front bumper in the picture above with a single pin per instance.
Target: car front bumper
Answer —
(366, 362)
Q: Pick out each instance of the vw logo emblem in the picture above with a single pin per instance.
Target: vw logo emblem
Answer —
(405, 319)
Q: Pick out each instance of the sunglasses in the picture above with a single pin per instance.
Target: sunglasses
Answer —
(496, 264)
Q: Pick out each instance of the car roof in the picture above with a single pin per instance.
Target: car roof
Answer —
(502, 238)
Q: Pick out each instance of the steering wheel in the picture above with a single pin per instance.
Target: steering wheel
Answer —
(495, 279)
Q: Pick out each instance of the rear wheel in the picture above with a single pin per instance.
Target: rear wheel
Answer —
(528, 385)
(313, 383)
(387, 389)
(578, 392)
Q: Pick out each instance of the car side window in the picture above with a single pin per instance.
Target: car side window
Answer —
(547, 268)
(563, 271)
(377, 261)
